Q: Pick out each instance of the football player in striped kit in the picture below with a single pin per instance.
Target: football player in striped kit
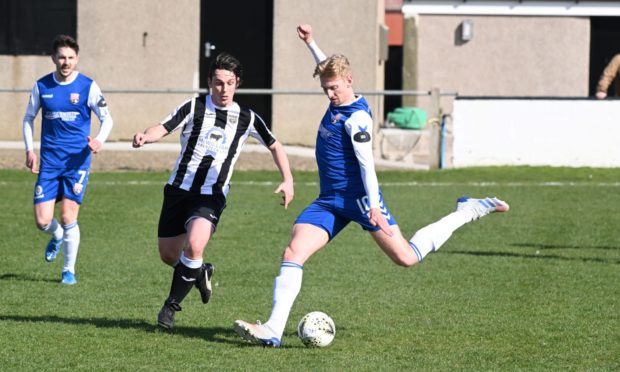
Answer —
(214, 129)
(349, 191)
(66, 99)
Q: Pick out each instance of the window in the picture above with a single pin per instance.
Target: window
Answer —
(27, 27)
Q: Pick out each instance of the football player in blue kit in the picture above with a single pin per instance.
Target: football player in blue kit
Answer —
(349, 191)
(66, 99)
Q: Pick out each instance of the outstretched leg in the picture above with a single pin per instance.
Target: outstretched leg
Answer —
(431, 237)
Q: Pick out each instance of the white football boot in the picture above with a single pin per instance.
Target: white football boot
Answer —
(481, 207)
(258, 334)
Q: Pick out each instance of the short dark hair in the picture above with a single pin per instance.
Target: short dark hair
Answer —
(225, 61)
(62, 41)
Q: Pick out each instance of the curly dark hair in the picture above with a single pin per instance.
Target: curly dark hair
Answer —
(225, 61)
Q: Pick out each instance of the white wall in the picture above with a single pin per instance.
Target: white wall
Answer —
(542, 132)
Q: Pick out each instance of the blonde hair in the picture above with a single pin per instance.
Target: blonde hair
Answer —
(336, 65)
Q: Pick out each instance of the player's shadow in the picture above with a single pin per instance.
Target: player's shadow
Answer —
(563, 246)
(212, 334)
(541, 255)
(27, 278)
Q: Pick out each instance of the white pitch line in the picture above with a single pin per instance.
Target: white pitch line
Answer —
(382, 184)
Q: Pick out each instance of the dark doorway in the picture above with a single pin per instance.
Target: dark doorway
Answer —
(245, 30)
(393, 78)
(604, 36)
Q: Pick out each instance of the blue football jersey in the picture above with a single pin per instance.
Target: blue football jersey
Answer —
(66, 119)
(339, 169)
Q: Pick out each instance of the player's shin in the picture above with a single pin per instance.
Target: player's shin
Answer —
(430, 238)
(286, 288)
(71, 243)
(186, 273)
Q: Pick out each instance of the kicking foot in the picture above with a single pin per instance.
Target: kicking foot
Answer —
(203, 283)
(481, 207)
(256, 333)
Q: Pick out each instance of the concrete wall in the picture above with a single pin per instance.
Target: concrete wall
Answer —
(349, 27)
(115, 52)
(572, 133)
(118, 55)
(508, 56)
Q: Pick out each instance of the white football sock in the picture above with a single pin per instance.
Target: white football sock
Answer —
(53, 229)
(192, 264)
(286, 288)
(430, 238)
(71, 243)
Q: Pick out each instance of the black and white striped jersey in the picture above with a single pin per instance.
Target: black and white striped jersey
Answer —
(211, 140)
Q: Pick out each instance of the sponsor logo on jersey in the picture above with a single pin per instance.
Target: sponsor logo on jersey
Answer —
(64, 116)
(213, 141)
(362, 136)
(47, 96)
(75, 98)
(102, 102)
(336, 118)
(324, 133)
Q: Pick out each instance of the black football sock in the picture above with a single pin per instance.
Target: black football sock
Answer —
(183, 280)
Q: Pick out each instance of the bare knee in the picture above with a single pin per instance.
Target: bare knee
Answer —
(406, 261)
(169, 258)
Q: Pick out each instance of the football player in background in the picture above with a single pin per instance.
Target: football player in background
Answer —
(349, 191)
(213, 131)
(66, 99)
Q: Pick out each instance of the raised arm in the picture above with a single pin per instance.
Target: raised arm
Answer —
(304, 32)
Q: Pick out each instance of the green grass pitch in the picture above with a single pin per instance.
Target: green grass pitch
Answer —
(537, 288)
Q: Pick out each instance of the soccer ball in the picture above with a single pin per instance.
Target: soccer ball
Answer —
(316, 329)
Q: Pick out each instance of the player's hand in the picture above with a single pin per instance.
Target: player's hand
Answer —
(601, 95)
(31, 162)
(288, 192)
(377, 218)
(139, 139)
(94, 144)
(305, 33)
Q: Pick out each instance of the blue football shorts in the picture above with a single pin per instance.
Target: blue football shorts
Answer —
(56, 184)
(333, 213)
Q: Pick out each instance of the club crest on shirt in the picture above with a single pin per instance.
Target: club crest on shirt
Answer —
(336, 118)
(232, 119)
(74, 98)
(38, 192)
(77, 188)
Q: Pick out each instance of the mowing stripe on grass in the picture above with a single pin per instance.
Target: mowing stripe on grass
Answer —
(383, 184)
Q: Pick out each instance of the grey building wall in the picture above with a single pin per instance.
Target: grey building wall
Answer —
(138, 44)
(349, 27)
(507, 56)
